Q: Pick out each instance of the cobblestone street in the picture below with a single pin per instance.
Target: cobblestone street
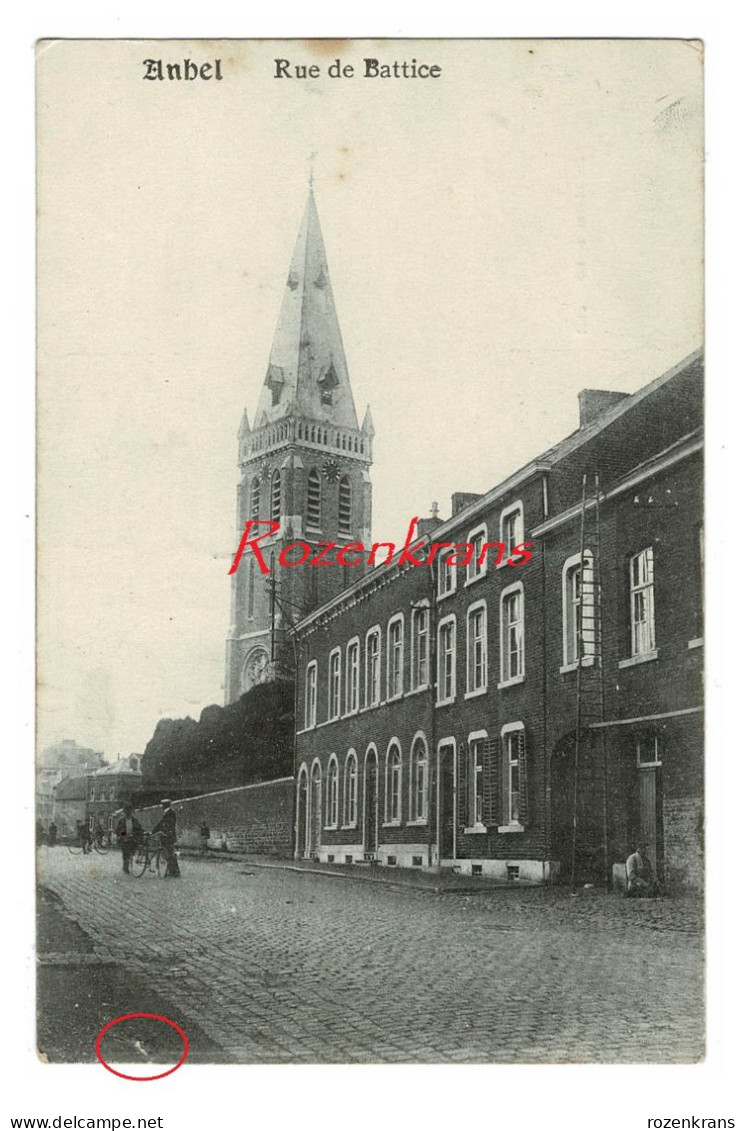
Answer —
(280, 966)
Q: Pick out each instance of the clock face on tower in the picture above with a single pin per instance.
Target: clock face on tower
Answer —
(255, 668)
(331, 470)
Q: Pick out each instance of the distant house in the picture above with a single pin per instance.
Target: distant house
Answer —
(111, 787)
(70, 797)
(61, 760)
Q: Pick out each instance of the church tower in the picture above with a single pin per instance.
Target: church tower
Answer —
(304, 464)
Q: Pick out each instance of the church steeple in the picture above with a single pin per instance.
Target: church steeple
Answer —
(307, 372)
(304, 465)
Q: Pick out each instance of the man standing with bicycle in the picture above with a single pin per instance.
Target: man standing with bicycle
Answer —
(166, 826)
(129, 835)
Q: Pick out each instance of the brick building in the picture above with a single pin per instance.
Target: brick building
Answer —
(525, 719)
(110, 788)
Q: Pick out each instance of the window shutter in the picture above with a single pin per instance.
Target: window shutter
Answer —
(462, 784)
(491, 781)
(523, 768)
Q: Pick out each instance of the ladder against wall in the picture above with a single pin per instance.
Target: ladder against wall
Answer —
(589, 856)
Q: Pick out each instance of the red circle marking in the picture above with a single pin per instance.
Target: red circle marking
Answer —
(154, 1017)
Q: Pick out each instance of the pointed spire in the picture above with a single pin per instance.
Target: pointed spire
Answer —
(245, 427)
(367, 424)
(307, 364)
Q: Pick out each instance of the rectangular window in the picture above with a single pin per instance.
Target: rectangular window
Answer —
(514, 784)
(446, 577)
(372, 668)
(353, 677)
(335, 684)
(446, 660)
(476, 782)
(513, 634)
(477, 649)
(642, 603)
(311, 683)
(476, 538)
(647, 749)
(396, 657)
(419, 648)
(511, 529)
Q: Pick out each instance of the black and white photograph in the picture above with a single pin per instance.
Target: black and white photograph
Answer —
(370, 513)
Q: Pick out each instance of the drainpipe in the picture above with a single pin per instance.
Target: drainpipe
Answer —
(547, 831)
(432, 762)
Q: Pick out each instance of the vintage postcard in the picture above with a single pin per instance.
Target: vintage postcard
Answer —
(370, 526)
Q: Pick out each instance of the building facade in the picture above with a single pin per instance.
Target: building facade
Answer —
(70, 806)
(530, 708)
(61, 760)
(109, 788)
(304, 466)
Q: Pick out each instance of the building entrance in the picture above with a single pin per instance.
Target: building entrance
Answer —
(370, 803)
(446, 802)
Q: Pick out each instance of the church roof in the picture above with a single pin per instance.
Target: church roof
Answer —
(307, 371)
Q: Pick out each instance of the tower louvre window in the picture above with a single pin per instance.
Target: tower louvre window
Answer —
(313, 508)
(276, 497)
(255, 498)
(345, 506)
(251, 589)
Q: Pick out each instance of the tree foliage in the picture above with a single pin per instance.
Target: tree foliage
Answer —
(251, 740)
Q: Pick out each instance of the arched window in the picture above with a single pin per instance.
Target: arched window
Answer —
(332, 793)
(419, 779)
(350, 790)
(313, 502)
(345, 506)
(276, 497)
(255, 498)
(393, 785)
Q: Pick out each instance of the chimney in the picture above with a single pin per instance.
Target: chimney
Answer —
(594, 402)
(461, 500)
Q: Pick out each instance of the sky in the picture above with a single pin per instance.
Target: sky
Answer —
(525, 226)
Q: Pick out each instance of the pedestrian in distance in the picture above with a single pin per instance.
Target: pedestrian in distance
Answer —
(166, 826)
(84, 836)
(640, 877)
(52, 834)
(129, 834)
(204, 836)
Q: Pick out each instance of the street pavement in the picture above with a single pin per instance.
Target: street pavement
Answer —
(277, 966)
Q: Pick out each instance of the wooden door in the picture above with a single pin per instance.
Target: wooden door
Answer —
(648, 823)
(371, 804)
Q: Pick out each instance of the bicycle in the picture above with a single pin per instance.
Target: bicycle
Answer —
(101, 844)
(149, 857)
(78, 846)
